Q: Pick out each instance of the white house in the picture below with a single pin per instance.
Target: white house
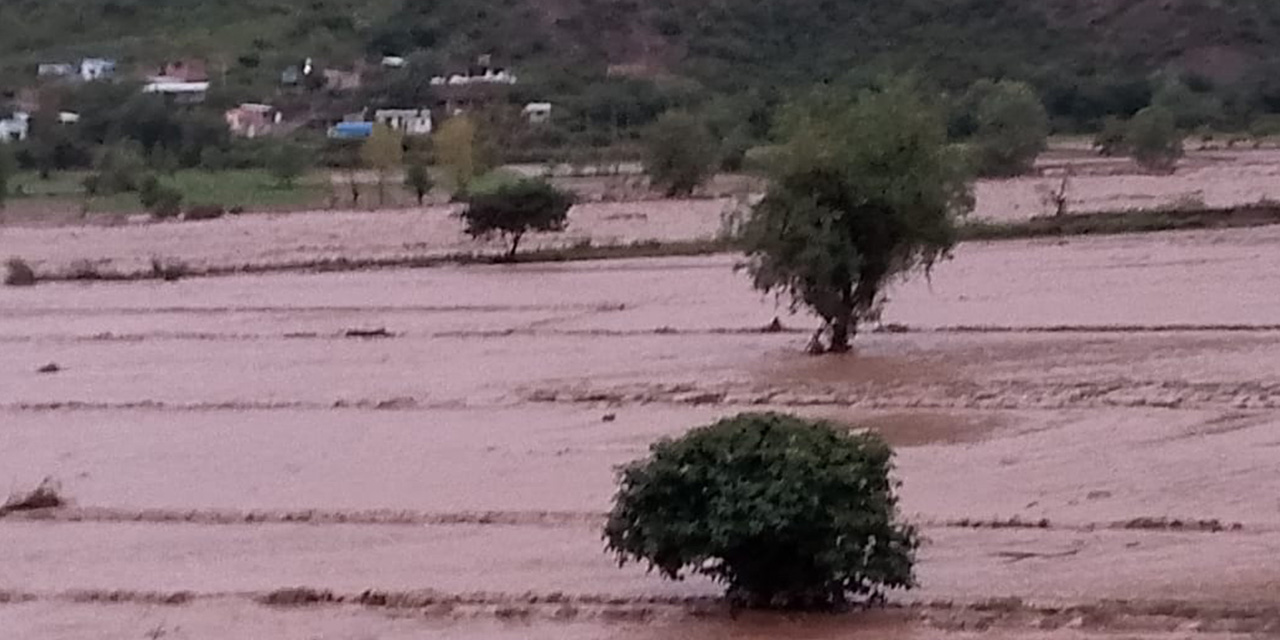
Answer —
(537, 112)
(490, 76)
(96, 69)
(184, 92)
(412, 122)
(55, 70)
(15, 127)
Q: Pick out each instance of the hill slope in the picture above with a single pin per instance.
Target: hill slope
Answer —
(1074, 50)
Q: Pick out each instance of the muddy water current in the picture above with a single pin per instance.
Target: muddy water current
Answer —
(1087, 432)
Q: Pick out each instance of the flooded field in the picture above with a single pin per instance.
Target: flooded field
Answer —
(1088, 433)
(274, 241)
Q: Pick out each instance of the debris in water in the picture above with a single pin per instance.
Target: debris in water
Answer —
(380, 332)
(46, 496)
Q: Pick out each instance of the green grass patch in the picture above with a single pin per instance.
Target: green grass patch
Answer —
(250, 189)
(29, 184)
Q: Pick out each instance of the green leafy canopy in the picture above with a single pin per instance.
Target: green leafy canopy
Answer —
(864, 190)
(785, 512)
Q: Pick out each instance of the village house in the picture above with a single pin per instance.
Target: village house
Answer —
(537, 112)
(15, 127)
(340, 80)
(191, 70)
(411, 122)
(250, 120)
(483, 72)
(177, 91)
(97, 69)
(350, 130)
(55, 70)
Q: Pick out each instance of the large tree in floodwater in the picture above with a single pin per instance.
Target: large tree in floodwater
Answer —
(865, 189)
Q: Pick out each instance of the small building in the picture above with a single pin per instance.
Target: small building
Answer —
(339, 80)
(176, 90)
(250, 120)
(393, 62)
(351, 130)
(15, 128)
(97, 69)
(482, 72)
(55, 70)
(191, 70)
(68, 117)
(411, 122)
(537, 112)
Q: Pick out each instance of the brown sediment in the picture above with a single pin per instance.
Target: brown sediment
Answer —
(1077, 426)
(978, 615)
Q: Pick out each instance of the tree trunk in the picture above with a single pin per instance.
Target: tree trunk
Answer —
(515, 244)
(844, 325)
(840, 334)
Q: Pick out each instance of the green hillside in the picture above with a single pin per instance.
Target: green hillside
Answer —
(1087, 57)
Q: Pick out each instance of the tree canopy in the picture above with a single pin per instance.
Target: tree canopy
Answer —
(680, 154)
(1011, 127)
(512, 208)
(864, 190)
(1153, 138)
(785, 512)
(456, 152)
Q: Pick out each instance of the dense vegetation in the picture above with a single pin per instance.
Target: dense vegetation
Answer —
(784, 511)
(1086, 59)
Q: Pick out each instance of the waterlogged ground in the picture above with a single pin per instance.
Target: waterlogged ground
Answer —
(273, 241)
(1087, 434)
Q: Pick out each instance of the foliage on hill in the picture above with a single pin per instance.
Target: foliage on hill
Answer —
(1087, 58)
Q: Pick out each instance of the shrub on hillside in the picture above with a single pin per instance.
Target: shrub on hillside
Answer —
(1012, 128)
(680, 154)
(1154, 139)
(785, 512)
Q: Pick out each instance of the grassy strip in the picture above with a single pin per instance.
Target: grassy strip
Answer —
(1111, 223)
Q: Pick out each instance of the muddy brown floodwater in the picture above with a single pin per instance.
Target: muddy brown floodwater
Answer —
(1088, 434)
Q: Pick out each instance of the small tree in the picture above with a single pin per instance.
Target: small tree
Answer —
(7, 169)
(1110, 140)
(861, 193)
(383, 152)
(288, 162)
(455, 148)
(680, 154)
(514, 208)
(161, 200)
(419, 179)
(785, 512)
(1012, 128)
(1154, 140)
